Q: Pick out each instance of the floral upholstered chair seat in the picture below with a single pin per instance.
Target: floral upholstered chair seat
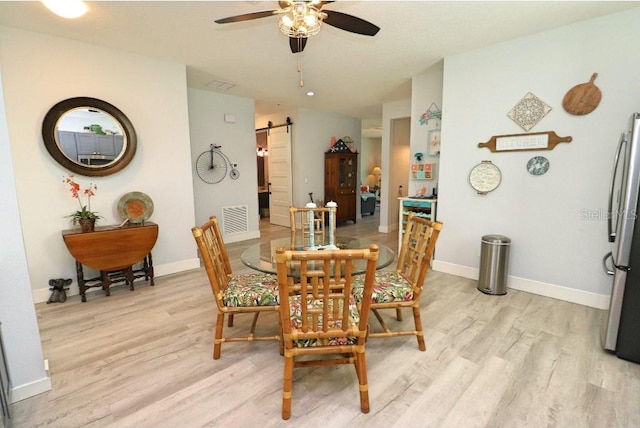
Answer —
(295, 307)
(258, 289)
(401, 288)
(389, 286)
(234, 294)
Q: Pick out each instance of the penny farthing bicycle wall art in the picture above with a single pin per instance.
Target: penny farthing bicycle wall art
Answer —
(212, 166)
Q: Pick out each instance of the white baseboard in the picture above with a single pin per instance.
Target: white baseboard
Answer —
(175, 267)
(387, 229)
(586, 298)
(237, 237)
(41, 295)
(22, 392)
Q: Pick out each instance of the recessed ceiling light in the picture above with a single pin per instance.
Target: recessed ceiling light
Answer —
(310, 93)
(66, 8)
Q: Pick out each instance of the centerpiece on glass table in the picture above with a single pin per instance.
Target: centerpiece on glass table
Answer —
(332, 225)
(84, 216)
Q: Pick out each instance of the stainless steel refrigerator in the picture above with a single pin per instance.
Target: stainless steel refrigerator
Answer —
(621, 332)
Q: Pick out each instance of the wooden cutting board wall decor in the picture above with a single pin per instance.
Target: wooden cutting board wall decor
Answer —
(583, 98)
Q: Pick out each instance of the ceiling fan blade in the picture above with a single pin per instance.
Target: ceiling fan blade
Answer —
(350, 23)
(246, 17)
(297, 44)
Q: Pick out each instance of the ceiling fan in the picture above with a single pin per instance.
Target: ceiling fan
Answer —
(302, 19)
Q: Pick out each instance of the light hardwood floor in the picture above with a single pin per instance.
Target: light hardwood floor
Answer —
(143, 359)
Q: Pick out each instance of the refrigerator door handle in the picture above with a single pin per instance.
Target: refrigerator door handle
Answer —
(607, 270)
(611, 213)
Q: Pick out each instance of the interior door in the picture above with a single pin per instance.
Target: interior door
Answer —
(281, 198)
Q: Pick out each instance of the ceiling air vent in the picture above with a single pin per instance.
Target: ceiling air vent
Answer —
(220, 84)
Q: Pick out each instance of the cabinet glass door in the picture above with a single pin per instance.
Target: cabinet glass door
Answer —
(346, 172)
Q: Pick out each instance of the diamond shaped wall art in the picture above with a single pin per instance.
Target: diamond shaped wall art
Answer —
(529, 111)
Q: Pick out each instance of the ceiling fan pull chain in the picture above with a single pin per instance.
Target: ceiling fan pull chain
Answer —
(300, 70)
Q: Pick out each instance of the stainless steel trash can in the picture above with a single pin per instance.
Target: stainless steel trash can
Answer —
(494, 261)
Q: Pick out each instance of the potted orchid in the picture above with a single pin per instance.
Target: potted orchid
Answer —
(84, 216)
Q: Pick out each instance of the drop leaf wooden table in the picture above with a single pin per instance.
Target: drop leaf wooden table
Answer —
(112, 250)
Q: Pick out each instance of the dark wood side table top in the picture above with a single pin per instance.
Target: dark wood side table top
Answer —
(111, 247)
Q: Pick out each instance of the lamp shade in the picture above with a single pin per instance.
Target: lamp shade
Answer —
(377, 173)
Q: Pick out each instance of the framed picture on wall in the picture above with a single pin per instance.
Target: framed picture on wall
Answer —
(433, 142)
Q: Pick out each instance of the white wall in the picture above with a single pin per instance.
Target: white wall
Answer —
(238, 140)
(556, 248)
(426, 89)
(399, 162)
(20, 333)
(391, 178)
(38, 72)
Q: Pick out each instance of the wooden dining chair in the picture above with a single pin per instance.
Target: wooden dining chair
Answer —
(300, 225)
(234, 294)
(401, 288)
(320, 320)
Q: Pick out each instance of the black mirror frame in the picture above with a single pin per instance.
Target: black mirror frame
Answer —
(50, 141)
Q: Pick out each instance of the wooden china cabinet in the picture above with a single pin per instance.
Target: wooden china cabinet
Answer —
(340, 180)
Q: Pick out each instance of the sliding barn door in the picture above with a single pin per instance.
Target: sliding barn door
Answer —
(281, 198)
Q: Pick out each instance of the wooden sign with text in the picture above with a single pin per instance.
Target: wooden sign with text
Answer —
(524, 142)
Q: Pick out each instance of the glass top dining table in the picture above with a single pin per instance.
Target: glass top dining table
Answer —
(262, 256)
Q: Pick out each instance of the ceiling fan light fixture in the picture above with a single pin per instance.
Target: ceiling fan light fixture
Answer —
(299, 8)
(310, 20)
(286, 21)
(301, 20)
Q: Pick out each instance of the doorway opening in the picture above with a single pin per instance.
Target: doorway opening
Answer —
(262, 154)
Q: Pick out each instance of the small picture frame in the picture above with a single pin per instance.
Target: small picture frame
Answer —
(433, 142)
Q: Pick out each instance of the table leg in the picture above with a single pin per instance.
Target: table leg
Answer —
(149, 269)
(130, 278)
(106, 282)
(81, 287)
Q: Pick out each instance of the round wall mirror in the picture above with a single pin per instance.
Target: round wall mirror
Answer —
(89, 136)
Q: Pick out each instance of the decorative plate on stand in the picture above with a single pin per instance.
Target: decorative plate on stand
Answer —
(136, 207)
